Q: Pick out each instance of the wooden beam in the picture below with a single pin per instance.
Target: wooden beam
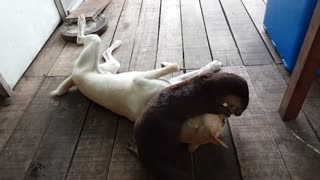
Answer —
(60, 9)
(5, 89)
(304, 71)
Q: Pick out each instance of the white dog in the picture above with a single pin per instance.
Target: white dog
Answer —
(128, 93)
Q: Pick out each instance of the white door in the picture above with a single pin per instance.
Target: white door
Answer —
(25, 27)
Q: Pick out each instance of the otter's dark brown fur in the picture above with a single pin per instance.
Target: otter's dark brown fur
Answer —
(157, 132)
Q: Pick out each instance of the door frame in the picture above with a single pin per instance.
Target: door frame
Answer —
(5, 89)
(65, 12)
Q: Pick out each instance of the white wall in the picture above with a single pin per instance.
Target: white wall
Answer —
(25, 27)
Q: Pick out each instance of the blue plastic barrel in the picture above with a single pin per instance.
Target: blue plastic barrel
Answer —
(286, 22)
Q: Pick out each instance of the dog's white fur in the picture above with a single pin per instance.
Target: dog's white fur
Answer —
(128, 93)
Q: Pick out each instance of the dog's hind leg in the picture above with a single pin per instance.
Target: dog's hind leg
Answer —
(111, 64)
(63, 87)
(210, 67)
(107, 55)
(157, 73)
(151, 78)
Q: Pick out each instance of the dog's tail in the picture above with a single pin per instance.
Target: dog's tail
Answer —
(90, 56)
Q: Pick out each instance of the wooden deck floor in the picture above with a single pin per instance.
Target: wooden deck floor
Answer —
(72, 138)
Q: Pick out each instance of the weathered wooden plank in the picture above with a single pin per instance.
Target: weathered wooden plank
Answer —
(22, 94)
(62, 131)
(195, 42)
(258, 154)
(301, 161)
(71, 51)
(125, 32)
(93, 153)
(311, 110)
(252, 49)
(269, 85)
(267, 80)
(4, 136)
(256, 10)
(19, 151)
(112, 12)
(216, 162)
(10, 119)
(47, 56)
(305, 70)
(124, 165)
(222, 45)
(146, 37)
(17, 155)
(8, 122)
(63, 65)
(170, 35)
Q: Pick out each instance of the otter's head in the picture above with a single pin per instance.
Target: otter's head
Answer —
(227, 92)
(233, 105)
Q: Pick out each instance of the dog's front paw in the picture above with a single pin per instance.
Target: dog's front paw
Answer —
(54, 93)
(213, 66)
(117, 43)
(173, 66)
(165, 64)
(216, 63)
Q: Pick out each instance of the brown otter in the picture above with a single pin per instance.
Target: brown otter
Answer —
(157, 131)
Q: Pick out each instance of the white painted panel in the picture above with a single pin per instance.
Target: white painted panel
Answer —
(70, 5)
(25, 27)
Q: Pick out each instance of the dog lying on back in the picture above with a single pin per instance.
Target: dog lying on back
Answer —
(128, 93)
(157, 132)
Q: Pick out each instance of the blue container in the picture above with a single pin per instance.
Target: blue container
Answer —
(286, 22)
